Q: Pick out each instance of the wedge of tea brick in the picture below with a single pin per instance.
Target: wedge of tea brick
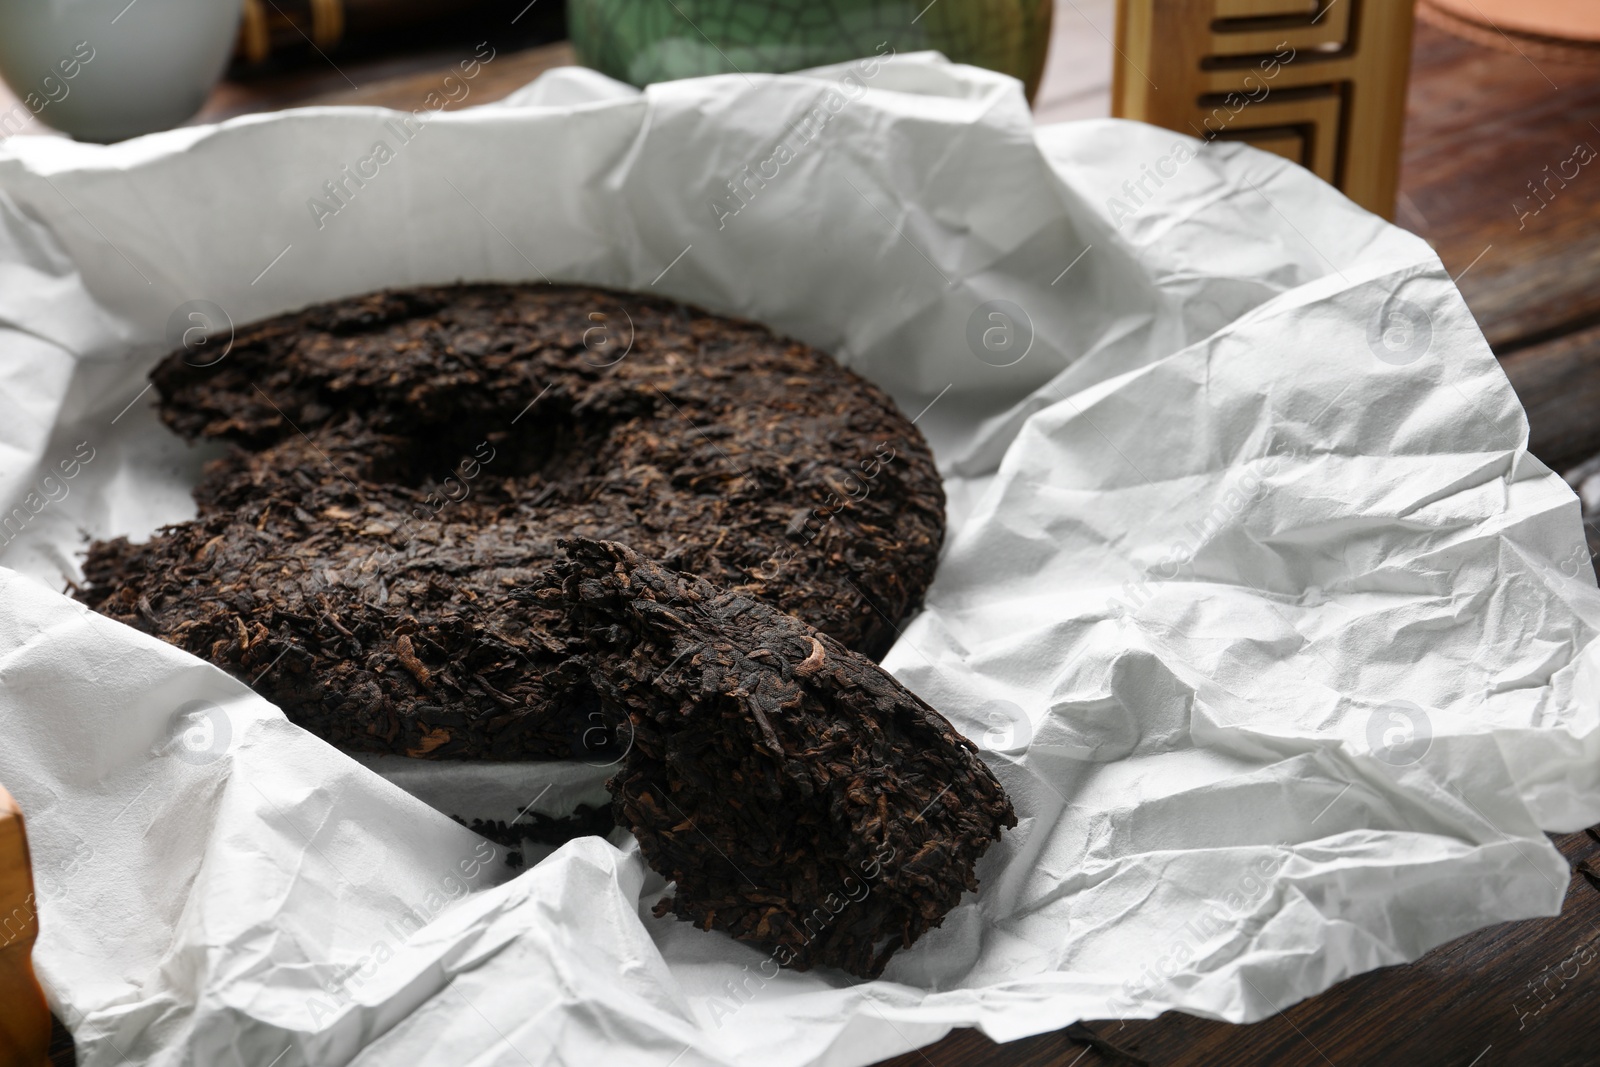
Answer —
(799, 797)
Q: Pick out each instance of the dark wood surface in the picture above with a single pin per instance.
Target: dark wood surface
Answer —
(402, 81)
(1481, 125)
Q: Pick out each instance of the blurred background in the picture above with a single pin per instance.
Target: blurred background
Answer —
(287, 52)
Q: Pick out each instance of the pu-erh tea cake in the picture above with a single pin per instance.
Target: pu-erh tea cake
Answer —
(400, 462)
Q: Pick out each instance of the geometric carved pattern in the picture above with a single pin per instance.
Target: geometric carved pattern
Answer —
(1320, 82)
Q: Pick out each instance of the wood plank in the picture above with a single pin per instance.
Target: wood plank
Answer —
(1558, 383)
(497, 79)
(1480, 126)
(401, 82)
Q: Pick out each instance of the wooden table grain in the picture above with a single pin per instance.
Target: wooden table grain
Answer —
(1490, 178)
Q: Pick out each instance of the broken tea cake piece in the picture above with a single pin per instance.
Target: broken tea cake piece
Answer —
(799, 796)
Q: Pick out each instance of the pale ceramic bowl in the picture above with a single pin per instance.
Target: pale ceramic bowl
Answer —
(105, 70)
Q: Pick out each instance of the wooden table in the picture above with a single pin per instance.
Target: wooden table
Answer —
(1481, 126)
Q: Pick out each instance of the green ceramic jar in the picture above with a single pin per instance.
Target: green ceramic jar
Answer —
(644, 41)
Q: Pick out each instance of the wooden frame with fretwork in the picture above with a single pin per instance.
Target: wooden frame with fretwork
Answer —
(1320, 82)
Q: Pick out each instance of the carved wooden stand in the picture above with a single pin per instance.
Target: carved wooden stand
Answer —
(1320, 82)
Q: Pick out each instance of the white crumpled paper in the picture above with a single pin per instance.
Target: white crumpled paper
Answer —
(1279, 638)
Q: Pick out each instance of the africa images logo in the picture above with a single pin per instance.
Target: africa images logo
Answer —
(1000, 333)
(1399, 733)
(201, 733)
(1400, 332)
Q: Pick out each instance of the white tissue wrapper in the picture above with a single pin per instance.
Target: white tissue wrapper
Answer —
(1281, 641)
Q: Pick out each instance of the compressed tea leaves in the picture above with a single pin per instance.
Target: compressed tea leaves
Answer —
(799, 797)
(402, 461)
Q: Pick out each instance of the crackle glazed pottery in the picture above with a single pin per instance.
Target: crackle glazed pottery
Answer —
(643, 41)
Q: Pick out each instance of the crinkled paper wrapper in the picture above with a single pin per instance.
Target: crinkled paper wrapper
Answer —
(1279, 638)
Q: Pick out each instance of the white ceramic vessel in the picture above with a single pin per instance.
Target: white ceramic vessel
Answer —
(105, 70)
